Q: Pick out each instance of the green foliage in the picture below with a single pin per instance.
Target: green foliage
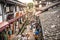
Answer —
(30, 5)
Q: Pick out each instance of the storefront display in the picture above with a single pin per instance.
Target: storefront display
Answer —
(7, 11)
(0, 19)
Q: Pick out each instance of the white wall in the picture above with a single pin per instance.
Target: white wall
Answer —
(0, 9)
(0, 14)
(18, 9)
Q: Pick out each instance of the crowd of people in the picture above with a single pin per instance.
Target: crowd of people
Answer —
(32, 31)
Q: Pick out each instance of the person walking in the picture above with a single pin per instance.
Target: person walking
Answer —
(24, 37)
(36, 35)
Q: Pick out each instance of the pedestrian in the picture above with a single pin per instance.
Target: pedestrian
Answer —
(36, 35)
(32, 24)
(34, 29)
(24, 37)
(19, 37)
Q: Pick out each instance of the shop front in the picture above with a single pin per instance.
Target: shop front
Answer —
(13, 18)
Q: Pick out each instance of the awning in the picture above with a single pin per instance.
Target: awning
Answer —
(15, 2)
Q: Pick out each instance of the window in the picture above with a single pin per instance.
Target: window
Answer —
(9, 9)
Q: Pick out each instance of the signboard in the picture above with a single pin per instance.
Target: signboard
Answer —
(0, 19)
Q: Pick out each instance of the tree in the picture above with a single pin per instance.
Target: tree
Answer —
(30, 5)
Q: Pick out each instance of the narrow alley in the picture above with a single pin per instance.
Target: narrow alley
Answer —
(29, 19)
